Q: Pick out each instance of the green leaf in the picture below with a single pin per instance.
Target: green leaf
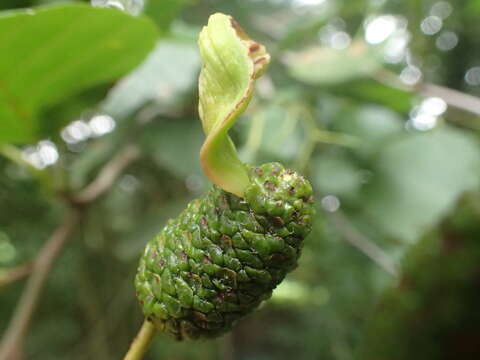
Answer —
(371, 91)
(418, 178)
(327, 66)
(336, 174)
(51, 53)
(161, 141)
(231, 63)
(169, 71)
(163, 12)
(373, 125)
(275, 133)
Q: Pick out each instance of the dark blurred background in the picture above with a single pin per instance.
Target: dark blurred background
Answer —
(373, 100)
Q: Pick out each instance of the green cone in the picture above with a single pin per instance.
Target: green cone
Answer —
(223, 255)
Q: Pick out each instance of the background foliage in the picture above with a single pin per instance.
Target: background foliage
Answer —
(347, 100)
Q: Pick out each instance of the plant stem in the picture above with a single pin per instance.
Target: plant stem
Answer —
(14, 154)
(452, 97)
(362, 243)
(333, 138)
(14, 274)
(107, 175)
(141, 343)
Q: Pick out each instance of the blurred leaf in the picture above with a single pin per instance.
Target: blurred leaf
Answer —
(281, 135)
(62, 58)
(327, 66)
(368, 90)
(418, 178)
(72, 108)
(131, 244)
(163, 12)
(9, 4)
(161, 140)
(167, 72)
(306, 27)
(336, 174)
(373, 125)
(7, 250)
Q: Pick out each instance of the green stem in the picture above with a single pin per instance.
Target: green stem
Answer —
(332, 138)
(44, 178)
(141, 343)
(14, 154)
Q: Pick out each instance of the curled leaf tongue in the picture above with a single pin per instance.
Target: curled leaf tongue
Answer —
(231, 63)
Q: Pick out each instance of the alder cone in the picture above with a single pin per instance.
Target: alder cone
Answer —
(223, 255)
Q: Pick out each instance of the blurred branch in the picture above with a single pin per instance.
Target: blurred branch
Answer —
(14, 274)
(454, 98)
(15, 155)
(107, 175)
(362, 243)
(316, 135)
(335, 138)
(323, 136)
(12, 342)
(11, 345)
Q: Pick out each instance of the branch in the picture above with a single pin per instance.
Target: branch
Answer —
(362, 243)
(454, 98)
(107, 175)
(14, 154)
(12, 342)
(14, 274)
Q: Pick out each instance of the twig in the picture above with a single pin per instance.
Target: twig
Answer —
(12, 342)
(14, 274)
(334, 138)
(14, 154)
(362, 243)
(141, 342)
(107, 175)
(454, 98)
